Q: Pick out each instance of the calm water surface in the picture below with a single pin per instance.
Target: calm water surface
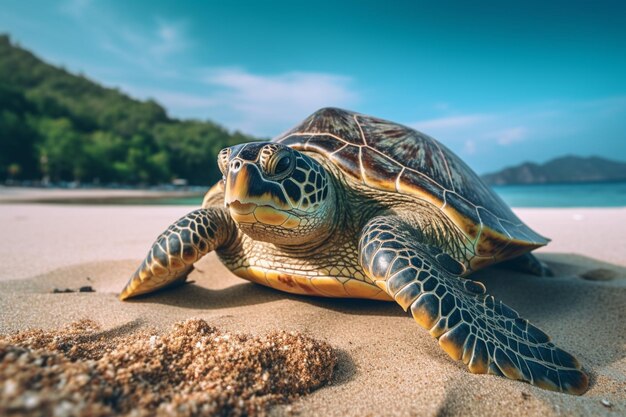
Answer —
(564, 195)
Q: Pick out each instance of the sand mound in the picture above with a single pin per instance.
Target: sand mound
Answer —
(192, 370)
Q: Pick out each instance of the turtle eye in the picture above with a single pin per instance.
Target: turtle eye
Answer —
(222, 160)
(283, 164)
(277, 161)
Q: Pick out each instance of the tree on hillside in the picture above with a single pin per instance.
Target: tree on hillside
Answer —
(69, 128)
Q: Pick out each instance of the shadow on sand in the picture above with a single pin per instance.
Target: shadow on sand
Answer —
(565, 305)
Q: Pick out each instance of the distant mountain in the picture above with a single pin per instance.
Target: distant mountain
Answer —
(66, 127)
(567, 169)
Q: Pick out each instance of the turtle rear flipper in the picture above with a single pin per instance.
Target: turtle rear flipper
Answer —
(529, 264)
(174, 252)
(471, 326)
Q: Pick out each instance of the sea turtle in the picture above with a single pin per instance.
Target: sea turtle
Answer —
(348, 205)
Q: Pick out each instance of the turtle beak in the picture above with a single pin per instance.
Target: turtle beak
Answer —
(236, 181)
(245, 188)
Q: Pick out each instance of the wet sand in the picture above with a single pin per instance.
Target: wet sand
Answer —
(387, 365)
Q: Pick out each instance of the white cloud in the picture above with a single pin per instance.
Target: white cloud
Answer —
(149, 48)
(147, 45)
(260, 104)
(469, 147)
(510, 135)
(482, 134)
(169, 39)
(172, 99)
(441, 106)
(75, 8)
(182, 102)
(266, 104)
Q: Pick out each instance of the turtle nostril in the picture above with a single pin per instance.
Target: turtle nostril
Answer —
(235, 165)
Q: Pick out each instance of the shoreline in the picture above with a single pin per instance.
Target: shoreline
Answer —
(181, 196)
(25, 195)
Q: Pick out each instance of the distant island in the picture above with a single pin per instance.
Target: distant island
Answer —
(566, 169)
(63, 127)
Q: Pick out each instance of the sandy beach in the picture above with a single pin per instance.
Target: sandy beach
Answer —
(90, 195)
(387, 364)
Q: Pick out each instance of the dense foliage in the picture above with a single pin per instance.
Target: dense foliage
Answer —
(65, 127)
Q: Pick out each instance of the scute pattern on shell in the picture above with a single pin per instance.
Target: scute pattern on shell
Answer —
(392, 157)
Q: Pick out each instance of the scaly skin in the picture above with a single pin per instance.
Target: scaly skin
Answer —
(335, 237)
(471, 326)
(174, 252)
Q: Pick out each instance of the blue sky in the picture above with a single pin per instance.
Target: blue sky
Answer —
(497, 82)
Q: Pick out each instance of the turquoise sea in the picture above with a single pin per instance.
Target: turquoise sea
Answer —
(545, 195)
(607, 194)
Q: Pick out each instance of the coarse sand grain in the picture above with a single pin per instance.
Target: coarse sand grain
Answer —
(194, 369)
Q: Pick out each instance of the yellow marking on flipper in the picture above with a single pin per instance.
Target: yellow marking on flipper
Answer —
(467, 353)
(407, 295)
(158, 270)
(271, 216)
(437, 330)
(447, 344)
(145, 281)
(383, 296)
(144, 274)
(382, 285)
(511, 372)
(128, 291)
(176, 263)
(190, 256)
(477, 366)
(546, 384)
(361, 289)
(421, 314)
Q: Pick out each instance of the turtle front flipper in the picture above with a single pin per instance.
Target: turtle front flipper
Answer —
(471, 326)
(174, 252)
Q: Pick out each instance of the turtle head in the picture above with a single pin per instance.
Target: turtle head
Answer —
(275, 193)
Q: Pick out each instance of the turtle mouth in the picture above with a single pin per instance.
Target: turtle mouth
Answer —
(249, 213)
(238, 207)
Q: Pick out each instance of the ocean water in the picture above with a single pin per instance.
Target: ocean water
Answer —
(564, 195)
(543, 195)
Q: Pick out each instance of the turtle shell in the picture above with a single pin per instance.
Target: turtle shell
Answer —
(392, 157)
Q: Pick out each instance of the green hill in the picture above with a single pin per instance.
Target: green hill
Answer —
(61, 125)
